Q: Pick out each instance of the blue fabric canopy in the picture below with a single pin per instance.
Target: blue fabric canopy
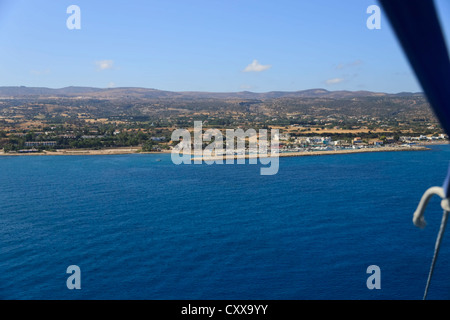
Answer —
(417, 27)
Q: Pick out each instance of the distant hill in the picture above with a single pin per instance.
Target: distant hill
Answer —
(143, 103)
(147, 93)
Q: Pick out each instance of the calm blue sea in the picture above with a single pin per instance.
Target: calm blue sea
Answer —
(140, 228)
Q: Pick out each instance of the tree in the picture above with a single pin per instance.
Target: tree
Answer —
(147, 146)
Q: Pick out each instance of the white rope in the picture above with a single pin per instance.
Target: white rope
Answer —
(436, 251)
(419, 221)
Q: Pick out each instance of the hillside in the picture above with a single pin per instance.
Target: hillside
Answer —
(117, 93)
(145, 104)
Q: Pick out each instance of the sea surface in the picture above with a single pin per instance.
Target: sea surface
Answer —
(140, 227)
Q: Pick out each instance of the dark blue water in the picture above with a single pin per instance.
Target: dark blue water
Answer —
(145, 229)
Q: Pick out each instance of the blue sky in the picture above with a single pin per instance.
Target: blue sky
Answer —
(202, 45)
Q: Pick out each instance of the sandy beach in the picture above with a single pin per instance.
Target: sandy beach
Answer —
(317, 153)
(75, 152)
(133, 150)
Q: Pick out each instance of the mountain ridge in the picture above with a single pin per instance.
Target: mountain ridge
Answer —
(141, 92)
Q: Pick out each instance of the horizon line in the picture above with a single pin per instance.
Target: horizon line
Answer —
(194, 91)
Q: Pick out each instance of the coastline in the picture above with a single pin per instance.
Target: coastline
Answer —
(84, 152)
(136, 150)
(316, 153)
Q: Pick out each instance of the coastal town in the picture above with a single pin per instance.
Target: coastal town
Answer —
(309, 144)
(47, 143)
(131, 120)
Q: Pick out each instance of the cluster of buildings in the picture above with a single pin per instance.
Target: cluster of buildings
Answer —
(423, 138)
(40, 143)
(288, 143)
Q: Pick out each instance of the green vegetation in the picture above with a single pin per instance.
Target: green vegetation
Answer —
(146, 118)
